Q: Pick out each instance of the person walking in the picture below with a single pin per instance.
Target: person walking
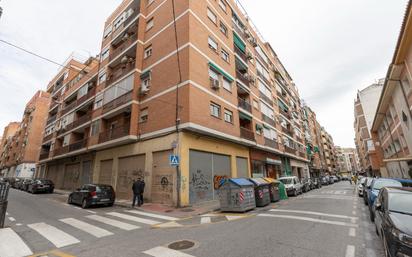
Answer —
(138, 190)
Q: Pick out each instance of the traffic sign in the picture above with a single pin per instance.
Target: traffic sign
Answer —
(174, 160)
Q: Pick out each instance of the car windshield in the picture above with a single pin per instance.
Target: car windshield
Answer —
(369, 181)
(45, 181)
(386, 183)
(286, 180)
(103, 188)
(400, 202)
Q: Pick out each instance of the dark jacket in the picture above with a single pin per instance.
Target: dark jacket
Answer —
(138, 187)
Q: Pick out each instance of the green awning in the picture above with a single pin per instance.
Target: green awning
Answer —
(266, 126)
(245, 116)
(224, 74)
(283, 106)
(239, 43)
(145, 75)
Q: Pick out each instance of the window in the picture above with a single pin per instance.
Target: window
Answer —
(107, 31)
(82, 91)
(215, 110)
(255, 104)
(105, 54)
(102, 76)
(223, 28)
(146, 83)
(262, 54)
(213, 74)
(265, 90)
(266, 110)
(261, 70)
(212, 44)
(222, 5)
(143, 115)
(66, 140)
(211, 16)
(149, 2)
(98, 102)
(95, 128)
(150, 24)
(227, 84)
(228, 116)
(224, 55)
(148, 52)
(118, 22)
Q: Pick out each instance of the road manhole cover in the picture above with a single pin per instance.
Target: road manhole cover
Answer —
(181, 245)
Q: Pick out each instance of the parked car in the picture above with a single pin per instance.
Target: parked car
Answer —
(331, 181)
(25, 184)
(19, 183)
(361, 186)
(40, 185)
(305, 185)
(292, 185)
(393, 220)
(373, 192)
(405, 182)
(325, 180)
(316, 183)
(335, 179)
(14, 182)
(93, 194)
(368, 183)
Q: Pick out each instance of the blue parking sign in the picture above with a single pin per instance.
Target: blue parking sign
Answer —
(174, 160)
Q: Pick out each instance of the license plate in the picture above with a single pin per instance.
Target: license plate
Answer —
(104, 200)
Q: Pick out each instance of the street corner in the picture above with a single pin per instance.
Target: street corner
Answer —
(53, 253)
(205, 219)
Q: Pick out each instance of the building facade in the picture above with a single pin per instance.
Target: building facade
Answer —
(21, 153)
(365, 109)
(6, 142)
(218, 97)
(347, 161)
(392, 125)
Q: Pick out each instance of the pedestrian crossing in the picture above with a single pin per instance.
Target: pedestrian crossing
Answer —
(16, 242)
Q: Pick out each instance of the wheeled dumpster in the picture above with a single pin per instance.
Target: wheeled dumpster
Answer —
(237, 195)
(273, 189)
(262, 194)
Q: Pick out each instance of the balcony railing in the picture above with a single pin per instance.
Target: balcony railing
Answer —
(117, 102)
(48, 137)
(238, 30)
(242, 103)
(303, 155)
(119, 71)
(268, 120)
(114, 133)
(247, 134)
(287, 131)
(242, 78)
(51, 119)
(78, 145)
(61, 150)
(286, 114)
(263, 78)
(290, 150)
(271, 143)
(266, 98)
(83, 119)
(69, 107)
(79, 101)
(241, 54)
(115, 52)
(124, 24)
(44, 156)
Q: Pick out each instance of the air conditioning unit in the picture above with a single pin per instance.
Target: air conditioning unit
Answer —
(144, 90)
(249, 56)
(252, 79)
(214, 83)
(253, 41)
(247, 33)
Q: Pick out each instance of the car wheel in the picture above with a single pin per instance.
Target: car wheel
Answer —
(84, 204)
(69, 200)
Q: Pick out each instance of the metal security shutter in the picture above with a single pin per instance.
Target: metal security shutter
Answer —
(106, 171)
(71, 176)
(163, 179)
(86, 173)
(130, 168)
(241, 165)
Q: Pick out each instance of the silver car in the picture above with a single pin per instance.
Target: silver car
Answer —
(292, 185)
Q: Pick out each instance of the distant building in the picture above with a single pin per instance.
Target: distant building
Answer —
(347, 161)
(21, 153)
(6, 141)
(365, 108)
(392, 125)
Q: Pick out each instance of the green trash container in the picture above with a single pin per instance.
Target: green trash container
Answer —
(282, 191)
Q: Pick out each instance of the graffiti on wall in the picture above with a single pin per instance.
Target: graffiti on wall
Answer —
(200, 184)
(218, 181)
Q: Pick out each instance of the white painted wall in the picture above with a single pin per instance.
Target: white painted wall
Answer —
(25, 170)
(369, 98)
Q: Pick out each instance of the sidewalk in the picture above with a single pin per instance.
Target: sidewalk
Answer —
(184, 212)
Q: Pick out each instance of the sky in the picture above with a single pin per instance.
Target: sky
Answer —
(331, 48)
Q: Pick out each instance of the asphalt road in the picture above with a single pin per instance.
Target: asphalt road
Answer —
(330, 222)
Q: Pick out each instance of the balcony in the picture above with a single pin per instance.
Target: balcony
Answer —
(120, 70)
(78, 145)
(301, 154)
(260, 75)
(79, 101)
(83, 119)
(287, 131)
(114, 133)
(127, 22)
(127, 41)
(271, 143)
(48, 137)
(284, 113)
(290, 150)
(51, 119)
(117, 102)
(266, 98)
(242, 103)
(242, 78)
(268, 120)
(69, 107)
(247, 134)
(61, 150)
(238, 30)
(241, 54)
(44, 156)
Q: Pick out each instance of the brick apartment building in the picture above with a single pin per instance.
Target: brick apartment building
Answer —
(223, 102)
(348, 161)
(22, 140)
(391, 126)
(329, 151)
(364, 109)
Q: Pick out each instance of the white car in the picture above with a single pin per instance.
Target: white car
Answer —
(292, 185)
(360, 186)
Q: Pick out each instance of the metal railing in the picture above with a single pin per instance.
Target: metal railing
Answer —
(114, 133)
(268, 120)
(242, 78)
(242, 103)
(247, 134)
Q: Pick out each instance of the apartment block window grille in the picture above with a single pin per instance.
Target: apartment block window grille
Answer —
(144, 115)
(148, 52)
(105, 54)
(223, 28)
(215, 110)
(225, 55)
(150, 24)
(228, 116)
(212, 16)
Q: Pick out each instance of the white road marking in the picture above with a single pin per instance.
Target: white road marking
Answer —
(233, 217)
(114, 223)
(11, 245)
(153, 215)
(314, 213)
(19, 224)
(171, 224)
(353, 212)
(211, 215)
(7, 214)
(161, 251)
(89, 211)
(54, 235)
(329, 197)
(338, 223)
(205, 220)
(86, 227)
(350, 251)
(12, 219)
(352, 232)
(133, 218)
